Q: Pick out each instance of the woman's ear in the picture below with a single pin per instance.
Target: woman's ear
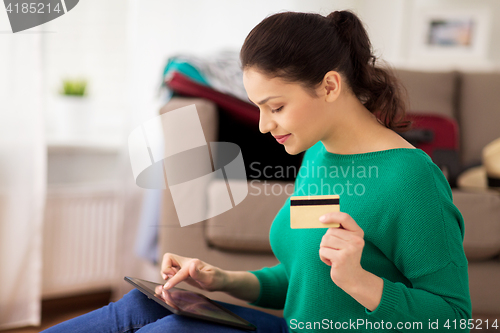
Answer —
(332, 85)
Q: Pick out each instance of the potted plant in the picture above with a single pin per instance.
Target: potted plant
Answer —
(72, 110)
(74, 87)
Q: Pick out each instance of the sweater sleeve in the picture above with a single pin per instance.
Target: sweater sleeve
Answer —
(273, 287)
(439, 297)
(427, 233)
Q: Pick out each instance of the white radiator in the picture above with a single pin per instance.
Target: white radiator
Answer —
(82, 230)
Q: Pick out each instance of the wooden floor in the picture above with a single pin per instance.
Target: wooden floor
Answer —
(55, 311)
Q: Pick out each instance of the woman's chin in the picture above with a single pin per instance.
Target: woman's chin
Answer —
(291, 150)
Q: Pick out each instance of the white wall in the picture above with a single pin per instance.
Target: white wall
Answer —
(90, 41)
(393, 26)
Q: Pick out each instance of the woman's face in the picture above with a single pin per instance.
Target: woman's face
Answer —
(293, 111)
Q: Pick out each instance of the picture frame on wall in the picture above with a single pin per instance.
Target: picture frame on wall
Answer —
(451, 35)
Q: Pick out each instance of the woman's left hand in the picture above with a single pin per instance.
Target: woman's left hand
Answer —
(341, 248)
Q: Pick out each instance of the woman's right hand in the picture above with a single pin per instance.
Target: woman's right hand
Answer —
(194, 271)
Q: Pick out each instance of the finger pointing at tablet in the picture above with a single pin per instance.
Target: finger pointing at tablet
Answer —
(182, 274)
(195, 272)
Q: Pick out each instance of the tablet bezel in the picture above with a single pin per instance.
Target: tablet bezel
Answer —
(152, 295)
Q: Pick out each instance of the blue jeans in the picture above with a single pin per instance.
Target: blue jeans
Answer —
(136, 313)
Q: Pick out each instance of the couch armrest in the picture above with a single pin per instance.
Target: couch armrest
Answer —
(169, 221)
(207, 111)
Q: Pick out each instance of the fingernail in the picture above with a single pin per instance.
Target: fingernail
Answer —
(322, 218)
(167, 285)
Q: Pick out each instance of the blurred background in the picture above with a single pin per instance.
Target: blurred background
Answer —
(72, 89)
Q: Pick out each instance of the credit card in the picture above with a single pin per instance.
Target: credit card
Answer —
(306, 210)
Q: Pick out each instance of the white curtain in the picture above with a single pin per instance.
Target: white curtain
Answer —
(22, 176)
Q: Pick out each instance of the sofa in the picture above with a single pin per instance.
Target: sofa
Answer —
(238, 238)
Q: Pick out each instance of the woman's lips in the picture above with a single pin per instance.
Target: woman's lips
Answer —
(282, 138)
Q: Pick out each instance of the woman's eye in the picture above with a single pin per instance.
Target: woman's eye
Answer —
(277, 110)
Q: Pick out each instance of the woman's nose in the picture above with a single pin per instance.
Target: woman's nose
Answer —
(266, 124)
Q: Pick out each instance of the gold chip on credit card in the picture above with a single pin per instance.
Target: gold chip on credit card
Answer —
(306, 210)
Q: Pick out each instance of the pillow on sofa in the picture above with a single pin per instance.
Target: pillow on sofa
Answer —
(434, 91)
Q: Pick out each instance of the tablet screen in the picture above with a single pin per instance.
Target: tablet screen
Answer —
(190, 302)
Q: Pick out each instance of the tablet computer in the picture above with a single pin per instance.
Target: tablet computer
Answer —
(188, 303)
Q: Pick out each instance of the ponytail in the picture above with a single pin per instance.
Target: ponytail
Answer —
(378, 89)
(303, 47)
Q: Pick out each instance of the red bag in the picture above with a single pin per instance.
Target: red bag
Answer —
(438, 136)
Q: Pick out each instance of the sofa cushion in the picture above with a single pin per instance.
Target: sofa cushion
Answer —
(481, 213)
(478, 113)
(484, 286)
(432, 92)
(246, 226)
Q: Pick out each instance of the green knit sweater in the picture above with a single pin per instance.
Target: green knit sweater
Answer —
(413, 241)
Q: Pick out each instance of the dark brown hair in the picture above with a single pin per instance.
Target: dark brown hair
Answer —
(303, 47)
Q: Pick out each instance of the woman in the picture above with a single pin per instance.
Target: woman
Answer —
(397, 261)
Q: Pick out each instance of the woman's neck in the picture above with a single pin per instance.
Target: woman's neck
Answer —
(355, 129)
